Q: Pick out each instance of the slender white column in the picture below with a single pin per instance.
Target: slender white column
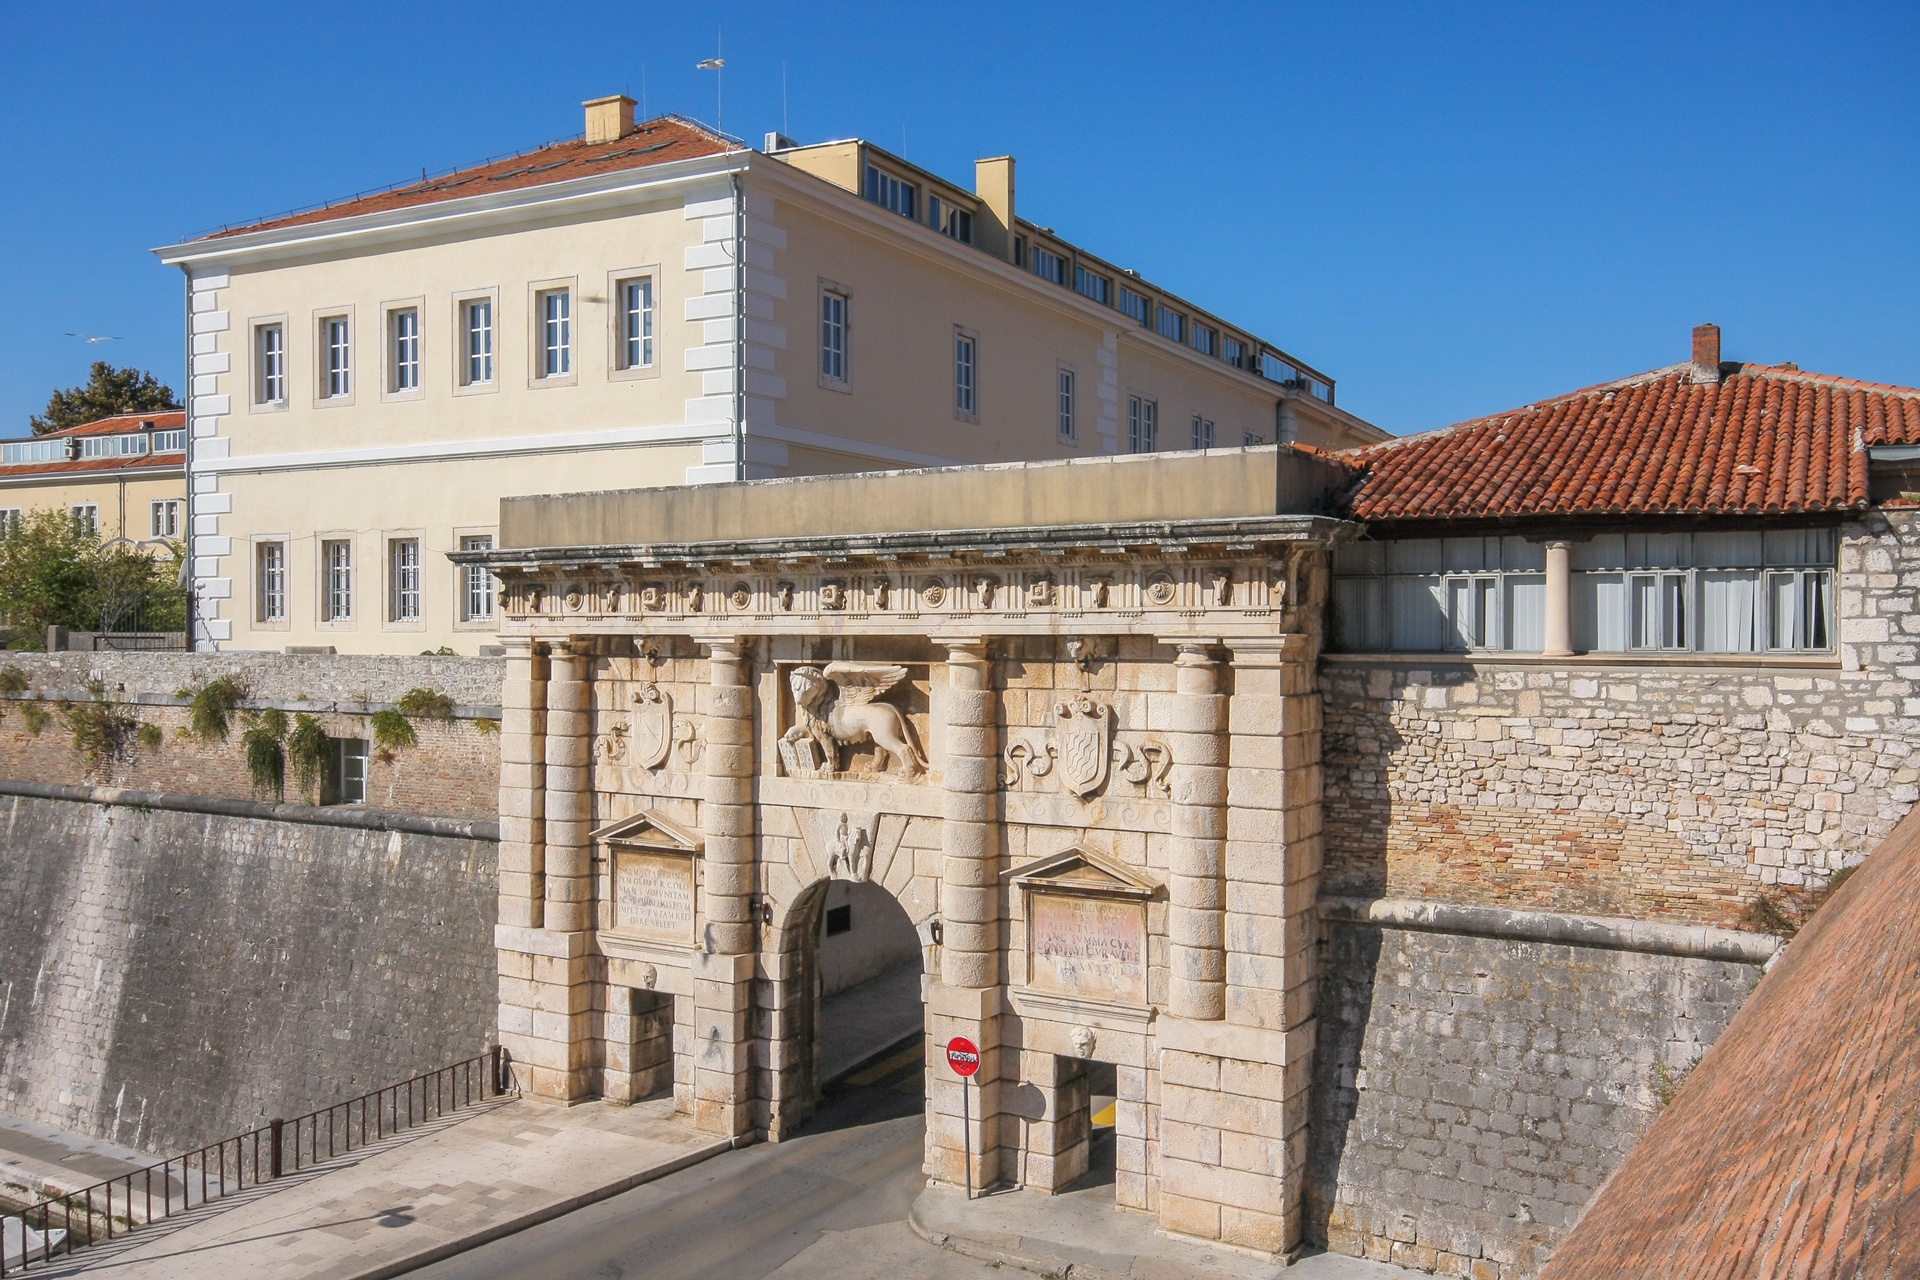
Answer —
(1559, 628)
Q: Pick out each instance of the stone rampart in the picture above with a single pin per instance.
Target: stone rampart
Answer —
(170, 976)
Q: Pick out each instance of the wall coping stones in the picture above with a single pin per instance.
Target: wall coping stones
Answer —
(1703, 942)
(319, 816)
(1610, 661)
(461, 711)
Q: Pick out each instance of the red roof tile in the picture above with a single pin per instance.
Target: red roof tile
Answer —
(1791, 1149)
(163, 420)
(81, 466)
(655, 142)
(1764, 440)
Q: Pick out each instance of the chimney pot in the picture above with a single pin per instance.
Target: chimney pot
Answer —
(994, 224)
(609, 119)
(1706, 353)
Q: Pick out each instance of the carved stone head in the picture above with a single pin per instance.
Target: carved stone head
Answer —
(1083, 1041)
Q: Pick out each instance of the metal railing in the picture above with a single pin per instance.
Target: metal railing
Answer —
(161, 1191)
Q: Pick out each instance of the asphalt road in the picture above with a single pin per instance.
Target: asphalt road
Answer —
(743, 1215)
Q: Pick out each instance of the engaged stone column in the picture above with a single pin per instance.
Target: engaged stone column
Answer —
(523, 782)
(1197, 983)
(1558, 637)
(969, 867)
(723, 967)
(569, 792)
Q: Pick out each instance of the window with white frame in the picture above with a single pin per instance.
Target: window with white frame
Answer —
(890, 192)
(174, 441)
(555, 309)
(403, 579)
(1048, 265)
(1135, 305)
(10, 520)
(1173, 324)
(346, 780)
(403, 336)
(1204, 338)
(270, 363)
(950, 219)
(337, 356)
(965, 373)
(476, 582)
(1067, 389)
(634, 302)
(1234, 352)
(1143, 424)
(833, 336)
(164, 518)
(270, 581)
(86, 518)
(1092, 284)
(1202, 432)
(336, 580)
(476, 349)
(1717, 592)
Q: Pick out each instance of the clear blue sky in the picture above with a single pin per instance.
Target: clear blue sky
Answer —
(1453, 209)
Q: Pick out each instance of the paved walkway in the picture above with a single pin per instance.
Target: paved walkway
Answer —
(1085, 1231)
(475, 1176)
(857, 1023)
(36, 1157)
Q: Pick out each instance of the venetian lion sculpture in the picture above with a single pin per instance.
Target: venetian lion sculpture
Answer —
(837, 708)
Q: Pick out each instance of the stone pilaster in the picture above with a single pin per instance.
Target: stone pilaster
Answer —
(569, 792)
(523, 782)
(1196, 951)
(723, 966)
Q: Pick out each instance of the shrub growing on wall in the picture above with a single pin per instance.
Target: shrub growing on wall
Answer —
(266, 757)
(307, 749)
(210, 707)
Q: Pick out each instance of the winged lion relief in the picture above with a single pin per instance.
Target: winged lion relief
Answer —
(837, 707)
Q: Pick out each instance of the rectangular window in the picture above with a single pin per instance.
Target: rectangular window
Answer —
(165, 518)
(949, 219)
(1202, 432)
(336, 337)
(270, 358)
(270, 581)
(1797, 609)
(10, 518)
(403, 580)
(174, 441)
(1019, 251)
(1093, 285)
(556, 333)
(1206, 340)
(404, 331)
(346, 780)
(1234, 352)
(1658, 602)
(1134, 305)
(833, 336)
(476, 323)
(1173, 324)
(1143, 424)
(130, 446)
(965, 371)
(86, 517)
(1049, 265)
(890, 192)
(1066, 404)
(635, 299)
(476, 583)
(336, 585)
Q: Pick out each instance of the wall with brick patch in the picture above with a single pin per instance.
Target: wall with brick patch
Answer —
(167, 978)
(453, 772)
(1471, 1094)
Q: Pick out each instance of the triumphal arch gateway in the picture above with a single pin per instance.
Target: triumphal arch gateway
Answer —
(1063, 712)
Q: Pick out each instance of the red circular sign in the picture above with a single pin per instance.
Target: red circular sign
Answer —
(963, 1055)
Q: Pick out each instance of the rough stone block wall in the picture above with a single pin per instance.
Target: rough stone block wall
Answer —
(167, 978)
(1473, 1093)
(453, 772)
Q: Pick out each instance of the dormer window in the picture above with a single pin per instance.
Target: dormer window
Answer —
(1049, 265)
(949, 219)
(889, 192)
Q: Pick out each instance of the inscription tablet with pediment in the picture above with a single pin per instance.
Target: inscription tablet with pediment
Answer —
(653, 895)
(1088, 946)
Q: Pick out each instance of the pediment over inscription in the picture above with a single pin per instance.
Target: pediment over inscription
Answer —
(1079, 870)
(649, 831)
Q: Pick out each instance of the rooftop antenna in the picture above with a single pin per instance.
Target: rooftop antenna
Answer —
(784, 126)
(718, 66)
(643, 92)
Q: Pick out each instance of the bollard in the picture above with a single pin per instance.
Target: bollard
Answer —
(273, 1154)
(495, 1089)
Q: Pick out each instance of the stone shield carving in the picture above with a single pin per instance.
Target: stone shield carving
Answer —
(1083, 734)
(652, 734)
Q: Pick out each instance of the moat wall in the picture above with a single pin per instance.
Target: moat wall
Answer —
(170, 977)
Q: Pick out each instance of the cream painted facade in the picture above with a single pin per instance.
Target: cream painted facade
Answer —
(124, 500)
(325, 519)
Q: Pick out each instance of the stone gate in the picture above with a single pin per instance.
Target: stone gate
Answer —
(1082, 754)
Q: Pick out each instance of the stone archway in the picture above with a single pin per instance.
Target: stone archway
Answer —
(836, 938)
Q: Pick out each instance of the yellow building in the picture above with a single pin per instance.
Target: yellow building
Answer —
(123, 477)
(649, 305)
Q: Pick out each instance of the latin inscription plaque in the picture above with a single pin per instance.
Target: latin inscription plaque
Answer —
(1091, 947)
(653, 895)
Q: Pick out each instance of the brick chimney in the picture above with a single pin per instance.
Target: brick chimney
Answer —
(1706, 353)
(609, 119)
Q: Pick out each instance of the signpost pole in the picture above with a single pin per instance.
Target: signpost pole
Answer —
(963, 1055)
(966, 1131)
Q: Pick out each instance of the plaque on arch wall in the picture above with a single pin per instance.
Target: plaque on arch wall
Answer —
(652, 879)
(1086, 929)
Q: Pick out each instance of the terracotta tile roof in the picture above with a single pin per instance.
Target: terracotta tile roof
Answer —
(163, 420)
(1764, 440)
(655, 142)
(1790, 1151)
(81, 466)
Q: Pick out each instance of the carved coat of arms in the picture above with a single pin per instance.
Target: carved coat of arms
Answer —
(652, 733)
(1083, 735)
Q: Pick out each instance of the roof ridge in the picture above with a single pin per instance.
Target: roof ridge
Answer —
(1421, 437)
(1812, 378)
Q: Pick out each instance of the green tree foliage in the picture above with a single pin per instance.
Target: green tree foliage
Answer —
(108, 391)
(53, 572)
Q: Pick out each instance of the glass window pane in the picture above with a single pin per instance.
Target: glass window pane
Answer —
(1416, 615)
(1413, 555)
(1526, 614)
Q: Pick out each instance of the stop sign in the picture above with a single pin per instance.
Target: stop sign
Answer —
(963, 1055)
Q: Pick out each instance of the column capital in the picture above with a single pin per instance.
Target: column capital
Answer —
(963, 648)
(1267, 651)
(723, 648)
(517, 646)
